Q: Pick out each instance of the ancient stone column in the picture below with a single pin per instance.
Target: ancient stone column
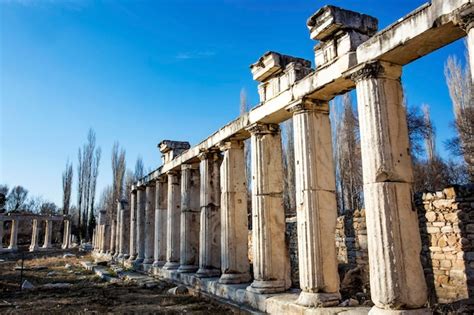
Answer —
(210, 222)
(234, 221)
(149, 223)
(161, 213)
(316, 208)
(174, 222)
(113, 231)
(118, 227)
(133, 225)
(190, 216)
(140, 233)
(34, 236)
(67, 235)
(271, 261)
(14, 235)
(396, 275)
(47, 234)
(124, 229)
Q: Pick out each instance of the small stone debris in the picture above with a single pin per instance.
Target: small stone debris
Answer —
(27, 285)
(67, 266)
(350, 302)
(57, 286)
(51, 274)
(179, 290)
(69, 255)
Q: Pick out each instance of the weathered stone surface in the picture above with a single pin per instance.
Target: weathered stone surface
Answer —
(140, 228)
(161, 216)
(173, 222)
(190, 216)
(234, 224)
(149, 223)
(270, 259)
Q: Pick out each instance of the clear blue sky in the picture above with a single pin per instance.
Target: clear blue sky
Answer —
(142, 71)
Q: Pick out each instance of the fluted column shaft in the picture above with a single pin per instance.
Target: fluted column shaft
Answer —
(118, 228)
(234, 221)
(316, 207)
(67, 235)
(14, 235)
(113, 232)
(149, 223)
(124, 212)
(210, 228)
(161, 212)
(270, 256)
(141, 205)
(396, 275)
(48, 233)
(133, 226)
(34, 236)
(174, 222)
(190, 217)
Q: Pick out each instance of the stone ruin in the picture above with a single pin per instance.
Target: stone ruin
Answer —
(15, 221)
(187, 221)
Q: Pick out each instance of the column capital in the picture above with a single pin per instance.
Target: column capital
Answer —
(466, 19)
(262, 129)
(161, 179)
(189, 167)
(206, 154)
(307, 104)
(172, 173)
(230, 144)
(376, 69)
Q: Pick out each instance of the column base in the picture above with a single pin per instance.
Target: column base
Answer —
(187, 268)
(267, 287)
(379, 311)
(234, 278)
(158, 264)
(208, 273)
(138, 262)
(132, 258)
(318, 299)
(171, 265)
(33, 248)
(148, 261)
(12, 248)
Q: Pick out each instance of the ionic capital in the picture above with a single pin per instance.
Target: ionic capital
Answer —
(161, 179)
(376, 70)
(263, 129)
(230, 144)
(307, 105)
(189, 167)
(172, 174)
(208, 154)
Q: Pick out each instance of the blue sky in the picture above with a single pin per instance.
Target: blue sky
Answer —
(142, 71)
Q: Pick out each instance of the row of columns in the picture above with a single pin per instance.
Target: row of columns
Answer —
(13, 245)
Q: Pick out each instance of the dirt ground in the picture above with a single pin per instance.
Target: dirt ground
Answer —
(88, 294)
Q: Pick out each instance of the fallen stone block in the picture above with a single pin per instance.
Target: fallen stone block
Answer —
(57, 285)
(27, 285)
(179, 290)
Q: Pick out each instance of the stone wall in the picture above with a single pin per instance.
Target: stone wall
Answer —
(447, 230)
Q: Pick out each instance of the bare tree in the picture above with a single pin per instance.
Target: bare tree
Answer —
(139, 169)
(129, 180)
(430, 136)
(459, 84)
(88, 170)
(348, 158)
(67, 187)
(3, 196)
(16, 199)
(289, 168)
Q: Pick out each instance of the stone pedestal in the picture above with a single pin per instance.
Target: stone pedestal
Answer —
(140, 232)
(396, 275)
(189, 248)
(271, 261)
(14, 235)
(234, 223)
(67, 235)
(161, 212)
(47, 234)
(174, 222)
(210, 228)
(316, 204)
(34, 236)
(133, 225)
(149, 224)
